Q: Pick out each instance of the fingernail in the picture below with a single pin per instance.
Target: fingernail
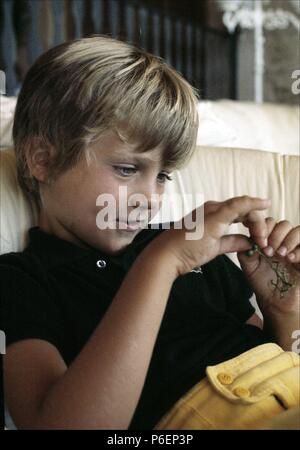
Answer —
(291, 256)
(269, 251)
(282, 250)
(265, 242)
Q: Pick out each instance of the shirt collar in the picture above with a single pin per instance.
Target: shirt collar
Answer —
(54, 251)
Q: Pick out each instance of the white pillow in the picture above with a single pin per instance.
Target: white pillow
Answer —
(267, 126)
(17, 214)
(7, 110)
(213, 130)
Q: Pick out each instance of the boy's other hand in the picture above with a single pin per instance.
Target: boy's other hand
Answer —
(187, 254)
(276, 292)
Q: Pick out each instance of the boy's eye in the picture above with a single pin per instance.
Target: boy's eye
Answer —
(125, 171)
(163, 177)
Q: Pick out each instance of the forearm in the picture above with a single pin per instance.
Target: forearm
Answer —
(281, 327)
(102, 386)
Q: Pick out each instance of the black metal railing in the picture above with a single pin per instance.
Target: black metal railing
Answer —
(206, 57)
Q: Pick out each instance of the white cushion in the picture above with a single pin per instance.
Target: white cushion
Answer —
(267, 126)
(17, 214)
(213, 130)
(7, 109)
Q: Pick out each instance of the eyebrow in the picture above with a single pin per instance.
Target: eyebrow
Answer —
(135, 157)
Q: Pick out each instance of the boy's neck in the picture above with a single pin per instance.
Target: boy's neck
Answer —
(57, 229)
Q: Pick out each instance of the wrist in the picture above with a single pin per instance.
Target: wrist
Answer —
(276, 304)
(281, 326)
(157, 254)
(176, 257)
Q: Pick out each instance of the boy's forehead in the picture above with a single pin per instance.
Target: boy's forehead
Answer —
(112, 145)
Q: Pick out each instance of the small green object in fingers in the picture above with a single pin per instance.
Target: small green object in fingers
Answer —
(253, 250)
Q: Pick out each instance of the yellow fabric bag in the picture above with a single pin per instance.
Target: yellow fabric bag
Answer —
(246, 392)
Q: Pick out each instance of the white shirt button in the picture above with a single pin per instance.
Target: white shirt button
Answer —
(197, 270)
(101, 263)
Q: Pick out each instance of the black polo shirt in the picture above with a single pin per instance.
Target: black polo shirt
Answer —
(57, 291)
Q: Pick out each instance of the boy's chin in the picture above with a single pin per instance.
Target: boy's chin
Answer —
(119, 241)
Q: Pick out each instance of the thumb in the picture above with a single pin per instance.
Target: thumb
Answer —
(235, 243)
(241, 244)
(248, 261)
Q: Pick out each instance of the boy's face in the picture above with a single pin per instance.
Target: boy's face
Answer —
(73, 205)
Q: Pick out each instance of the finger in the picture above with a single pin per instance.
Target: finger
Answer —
(204, 209)
(211, 206)
(234, 243)
(292, 240)
(294, 256)
(236, 209)
(277, 238)
(256, 223)
(271, 223)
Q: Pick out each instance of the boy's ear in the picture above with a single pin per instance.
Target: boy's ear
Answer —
(39, 162)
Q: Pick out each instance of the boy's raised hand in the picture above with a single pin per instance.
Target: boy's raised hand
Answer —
(260, 273)
(187, 254)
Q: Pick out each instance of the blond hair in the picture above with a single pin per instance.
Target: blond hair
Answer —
(79, 89)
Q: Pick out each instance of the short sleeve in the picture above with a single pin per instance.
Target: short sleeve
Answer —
(236, 288)
(27, 309)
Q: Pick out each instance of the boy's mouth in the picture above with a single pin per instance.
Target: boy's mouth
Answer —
(129, 226)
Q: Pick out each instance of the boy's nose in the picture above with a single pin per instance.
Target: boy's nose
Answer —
(149, 200)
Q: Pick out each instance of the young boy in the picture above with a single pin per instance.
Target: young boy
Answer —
(107, 328)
